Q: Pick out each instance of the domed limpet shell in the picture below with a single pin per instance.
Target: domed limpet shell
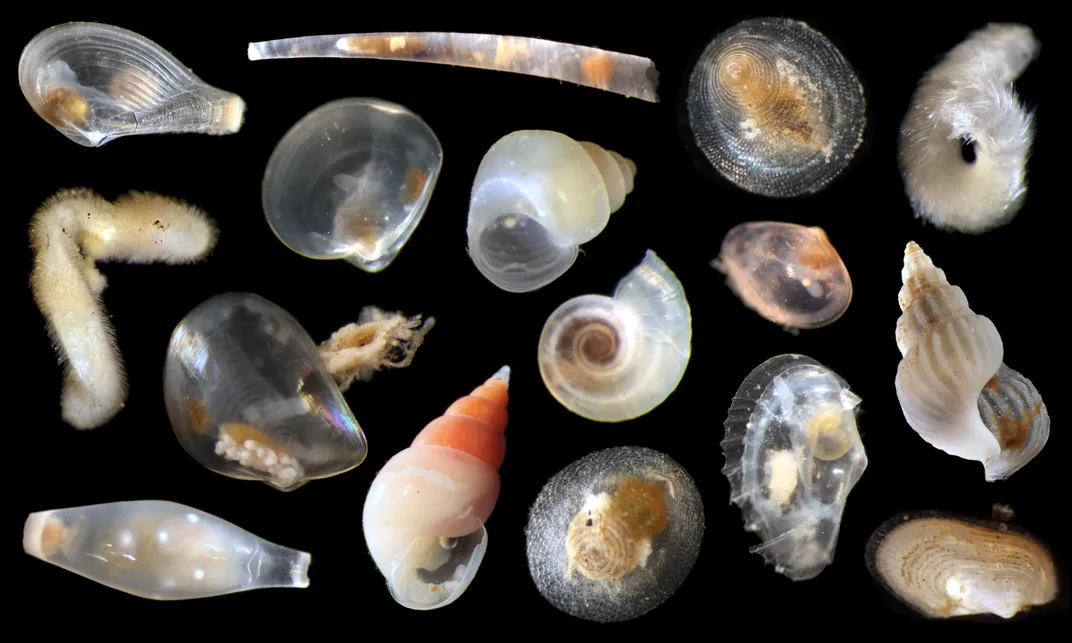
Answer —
(775, 107)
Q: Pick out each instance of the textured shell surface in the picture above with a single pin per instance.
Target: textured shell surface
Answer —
(775, 107)
(161, 550)
(953, 387)
(95, 82)
(793, 453)
(249, 397)
(945, 566)
(788, 273)
(613, 535)
(616, 358)
(352, 179)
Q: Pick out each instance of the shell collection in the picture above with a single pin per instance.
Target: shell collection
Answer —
(778, 111)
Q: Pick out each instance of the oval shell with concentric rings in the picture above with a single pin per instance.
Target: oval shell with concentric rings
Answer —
(775, 107)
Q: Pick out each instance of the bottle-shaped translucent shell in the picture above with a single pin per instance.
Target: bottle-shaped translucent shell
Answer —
(614, 535)
(954, 389)
(788, 273)
(616, 358)
(611, 71)
(538, 196)
(425, 512)
(161, 550)
(351, 180)
(966, 138)
(96, 82)
(793, 454)
(775, 107)
(946, 566)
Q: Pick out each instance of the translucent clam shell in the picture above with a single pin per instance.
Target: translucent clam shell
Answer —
(614, 534)
(788, 273)
(95, 82)
(793, 454)
(250, 398)
(775, 107)
(616, 358)
(352, 180)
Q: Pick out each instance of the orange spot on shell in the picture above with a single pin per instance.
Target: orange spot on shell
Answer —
(598, 69)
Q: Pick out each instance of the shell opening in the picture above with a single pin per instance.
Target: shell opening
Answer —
(515, 252)
(434, 571)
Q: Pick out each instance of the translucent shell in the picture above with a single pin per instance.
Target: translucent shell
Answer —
(249, 396)
(793, 454)
(614, 535)
(775, 107)
(954, 389)
(611, 71)
(96, 82)
(616, 358)
(351, 180)
(538, 196)
(788, 273)
(945, 566)
(161, 550)
(425, 512)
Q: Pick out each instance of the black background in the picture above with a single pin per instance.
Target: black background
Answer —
(1010, 275)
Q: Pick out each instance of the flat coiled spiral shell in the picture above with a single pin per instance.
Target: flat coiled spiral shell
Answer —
(953, 387)
(775, 107)
(616, 358)
(945, 566)
(614, 534)
(95, 82)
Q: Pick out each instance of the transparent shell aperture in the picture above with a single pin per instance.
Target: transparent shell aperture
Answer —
(775, 107)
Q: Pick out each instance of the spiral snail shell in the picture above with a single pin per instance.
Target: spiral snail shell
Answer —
(775, 107)
(954, 389)
(967, 101)
(616, 358)
(425, 511)
(614, 534)
(538, 196)
(95, 82)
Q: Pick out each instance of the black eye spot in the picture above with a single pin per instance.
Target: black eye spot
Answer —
(589, 523)
(967, 150)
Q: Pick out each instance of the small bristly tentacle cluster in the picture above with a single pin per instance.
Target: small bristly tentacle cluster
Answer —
(378, 340)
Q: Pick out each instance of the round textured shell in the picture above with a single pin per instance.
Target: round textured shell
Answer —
(649, 516)
(945, 566)
(775, 107)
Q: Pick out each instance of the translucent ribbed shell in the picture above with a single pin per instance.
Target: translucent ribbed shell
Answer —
(249, 396)
(616, 358)
(793, 454)
(352, 180)
(614, 535)
(775, 107)
(95, 82)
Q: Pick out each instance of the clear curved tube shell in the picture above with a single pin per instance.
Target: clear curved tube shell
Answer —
(614, 534)
(788, 273)
(611, 71)
(966, 138)
(425, 512)
(352, 180)
(95, 82)
(954, 389)
(945, 566)
(775, 107)
(793, 454)
(611, 359)
(539, 195)
(161, 550)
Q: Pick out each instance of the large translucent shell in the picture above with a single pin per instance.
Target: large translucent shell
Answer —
(614, 535)
(616, 358)
(161, 550)
(351, 180)
(775, 107)
(249, 397)
(95, 82)
(944, 566)
(788, 273)
(793, 454)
